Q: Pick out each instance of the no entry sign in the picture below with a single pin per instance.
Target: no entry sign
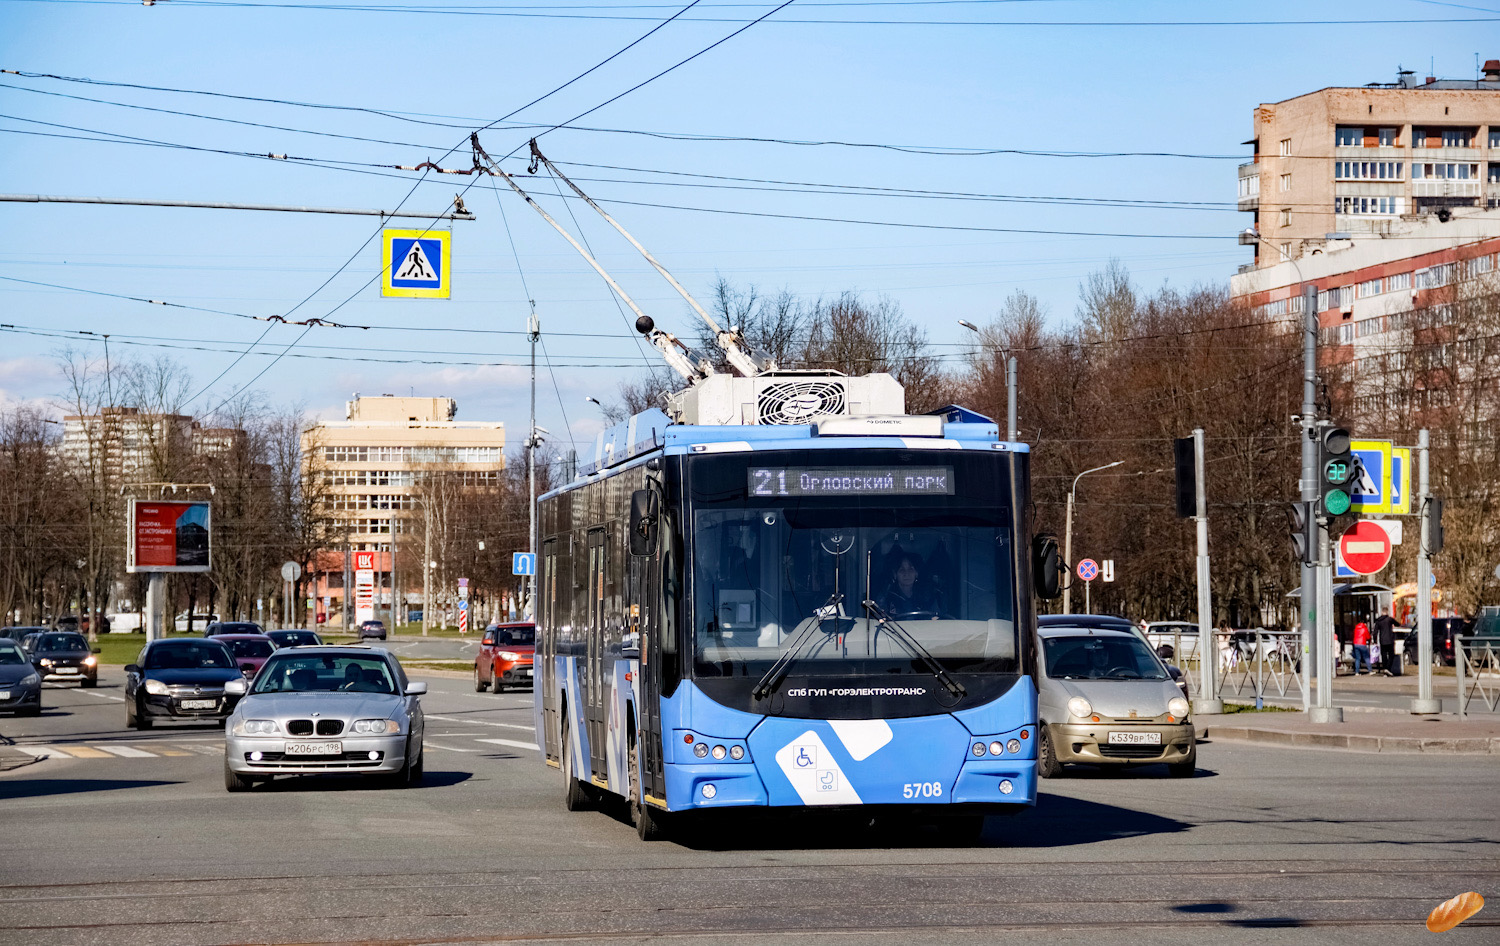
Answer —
(1365, 547)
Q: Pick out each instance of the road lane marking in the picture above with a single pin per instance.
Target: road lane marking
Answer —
(433, 745)
(128, 752)
(77, 752)
(513, 743)
(102, 696)
(483, 722)
(208, 750)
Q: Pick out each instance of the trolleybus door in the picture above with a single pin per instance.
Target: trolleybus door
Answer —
(591, 675)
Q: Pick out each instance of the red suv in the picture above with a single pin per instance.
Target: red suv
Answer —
(504, 658)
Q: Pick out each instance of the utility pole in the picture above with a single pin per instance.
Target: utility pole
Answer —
(1208, 653)
(1424, 703)
(1309, 480)
(534, 332)
(426, 566)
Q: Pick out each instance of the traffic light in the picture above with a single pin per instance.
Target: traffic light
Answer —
(1434, 526)
(1335, 472)
(1187, 477)
(1304, 527)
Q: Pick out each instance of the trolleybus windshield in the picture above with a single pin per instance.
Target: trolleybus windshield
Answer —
(786, 555)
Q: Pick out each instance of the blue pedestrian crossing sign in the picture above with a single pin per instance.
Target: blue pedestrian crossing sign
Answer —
(1371, 489)
(416, 264)
(1400, 481)
(523, 563)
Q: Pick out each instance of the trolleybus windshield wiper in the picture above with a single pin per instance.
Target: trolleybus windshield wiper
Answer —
(913, 645)
(783, 664)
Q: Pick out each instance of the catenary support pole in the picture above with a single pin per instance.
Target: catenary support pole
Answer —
(1309, 483)
(1327, 648)
(1424, 703)
(154, 605)
(1011, 433)
(1209, 702)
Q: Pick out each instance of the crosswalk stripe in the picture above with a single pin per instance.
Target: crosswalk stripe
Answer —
(482, 722)
(433, 745)
(173, 752)
(516, 744)
(79, 752)
(207, 750)
(128, 752)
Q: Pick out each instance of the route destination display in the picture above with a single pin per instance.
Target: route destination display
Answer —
(848, 481)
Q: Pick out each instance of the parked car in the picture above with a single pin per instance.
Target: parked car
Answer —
(180, 679)
(293, 637)
(316, 710)
(250, 650)
(64, 655)
(375, 629)
(1443, 630)
(232, 627)
(199, 621)
(19, 634)
(505, 657)
(1166, 636)
(72, 622)
(1105, 698)
(20, 683)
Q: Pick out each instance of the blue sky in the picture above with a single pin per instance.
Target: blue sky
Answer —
(945, 83)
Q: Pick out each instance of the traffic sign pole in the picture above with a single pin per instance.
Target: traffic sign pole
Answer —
(1207, 653)
(1424, 703)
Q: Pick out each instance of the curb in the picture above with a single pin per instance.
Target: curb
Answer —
(1357, 743)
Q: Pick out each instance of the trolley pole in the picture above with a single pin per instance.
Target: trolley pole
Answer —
(1012, 433)
(1208, 652)
(1424, 703)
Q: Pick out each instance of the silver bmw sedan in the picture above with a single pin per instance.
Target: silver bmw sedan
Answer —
(315, 710)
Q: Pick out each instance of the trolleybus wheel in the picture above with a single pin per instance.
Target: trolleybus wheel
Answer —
(1047, 765)
(650, 824)
(575, 793)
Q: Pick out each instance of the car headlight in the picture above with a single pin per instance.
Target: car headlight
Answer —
(377, 726)
(30, 679)
(1178, 707)
(510, 655)
(156, 688)
(45, 662)
(255, 727)
(1078, 706)
(90, 660)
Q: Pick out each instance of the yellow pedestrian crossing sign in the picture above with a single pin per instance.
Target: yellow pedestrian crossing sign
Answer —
(416, 264)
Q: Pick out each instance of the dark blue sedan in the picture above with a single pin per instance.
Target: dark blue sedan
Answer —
(20, 683)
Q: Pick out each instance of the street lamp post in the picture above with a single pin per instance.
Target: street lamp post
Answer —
(1068, 535)
(1011, 432)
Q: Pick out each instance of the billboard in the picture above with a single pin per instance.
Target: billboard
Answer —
(167, 537)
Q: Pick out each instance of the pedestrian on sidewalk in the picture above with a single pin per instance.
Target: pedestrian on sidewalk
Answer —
(1385, 633)
(1361, 648)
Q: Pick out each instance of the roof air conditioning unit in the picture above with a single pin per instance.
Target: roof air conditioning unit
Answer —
(785, 397)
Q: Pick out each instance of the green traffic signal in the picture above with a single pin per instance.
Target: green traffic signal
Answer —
(1336, 501)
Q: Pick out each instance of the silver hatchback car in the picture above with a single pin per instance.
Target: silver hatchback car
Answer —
(1104, 698)
(315, 710)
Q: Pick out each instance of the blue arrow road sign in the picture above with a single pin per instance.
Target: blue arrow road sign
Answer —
(523, 563)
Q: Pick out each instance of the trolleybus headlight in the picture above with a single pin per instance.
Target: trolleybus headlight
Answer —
(736, 753)
(701, 750)
(1178, 707)
(1014, 745)
(720, 752)
(996, 748)
(979, 748)
(1080, 707)
(709, 791)
(1005, 787)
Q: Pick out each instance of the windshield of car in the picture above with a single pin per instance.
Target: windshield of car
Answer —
(188, 655)
(11, 654)
(515, 635)
(1091, 657)
(65, 643)
(294, 638)
(329, 673)
(252, 648)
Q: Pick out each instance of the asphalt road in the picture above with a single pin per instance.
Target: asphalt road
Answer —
(126, 837)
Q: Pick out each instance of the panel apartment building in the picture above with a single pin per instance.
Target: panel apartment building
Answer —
(1361, 160)
(368, 469)
(123, 445)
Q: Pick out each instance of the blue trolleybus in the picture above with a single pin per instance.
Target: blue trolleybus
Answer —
(792, 615)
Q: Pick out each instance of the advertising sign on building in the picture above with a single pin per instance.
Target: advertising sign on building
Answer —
(167, 537)
(364, 586)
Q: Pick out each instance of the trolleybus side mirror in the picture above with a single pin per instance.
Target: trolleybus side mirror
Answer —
(1046, 566)
(642, 522)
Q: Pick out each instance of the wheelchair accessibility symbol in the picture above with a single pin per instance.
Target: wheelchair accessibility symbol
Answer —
(806, 757)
